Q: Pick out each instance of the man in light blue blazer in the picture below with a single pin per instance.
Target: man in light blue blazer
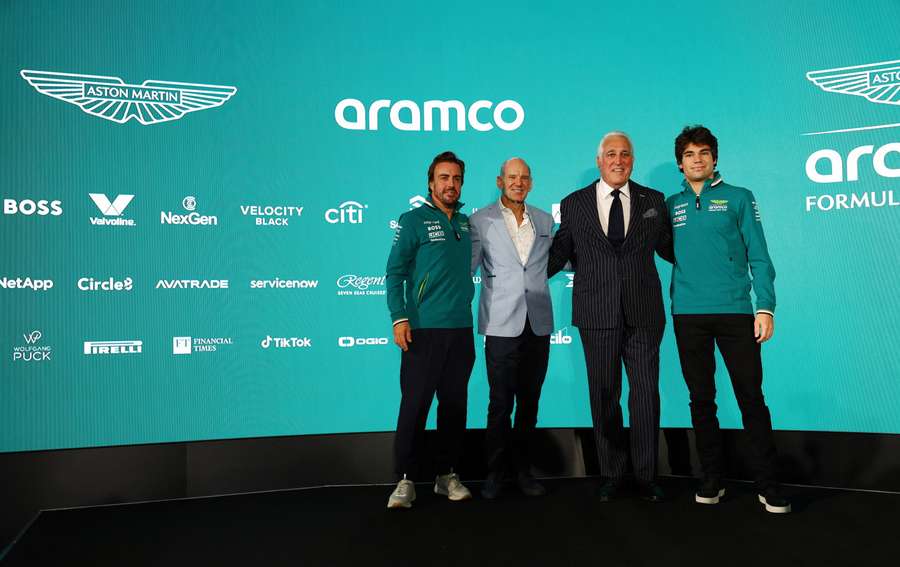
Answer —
(511, 246)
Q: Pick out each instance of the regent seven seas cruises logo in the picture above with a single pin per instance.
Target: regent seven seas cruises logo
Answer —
(111, 98)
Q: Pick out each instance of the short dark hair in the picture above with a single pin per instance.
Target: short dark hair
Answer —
(446, 157)
(696, 134)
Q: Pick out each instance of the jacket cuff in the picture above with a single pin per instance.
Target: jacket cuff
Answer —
(398, 321)
(766, 311)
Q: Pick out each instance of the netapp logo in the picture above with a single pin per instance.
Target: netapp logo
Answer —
(28, 207)
(561, 337)
(113, 347)
(279, 283)
(188, 345)
(111, 209)
(271, 215)
(413, 119)
(26, 283)
(348, 212)
(31, 351)
(348, 342)
(192, 284)
(109, 284)
(286, 342)
(351, 284)
(192, 217)
(876, 82)
(110, 98)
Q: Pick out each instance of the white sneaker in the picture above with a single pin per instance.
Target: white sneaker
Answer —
(449, 486)
(404, 495)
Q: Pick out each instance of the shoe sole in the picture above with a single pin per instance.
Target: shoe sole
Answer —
(443, 492)
(774, 509)
(393, 505)
(707, 500)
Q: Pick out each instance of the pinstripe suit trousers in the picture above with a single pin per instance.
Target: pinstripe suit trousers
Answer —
(605, 351)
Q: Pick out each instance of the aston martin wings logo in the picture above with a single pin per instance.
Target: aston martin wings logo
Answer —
(110, 98)
(878, 82)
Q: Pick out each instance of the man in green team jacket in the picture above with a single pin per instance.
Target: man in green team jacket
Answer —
(719, 243)
(429, 294)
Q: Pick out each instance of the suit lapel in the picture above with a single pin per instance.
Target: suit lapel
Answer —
(639, 203)
(587, 199)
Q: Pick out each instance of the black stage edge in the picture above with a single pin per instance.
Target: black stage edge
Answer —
(350, 526)
(44, 480)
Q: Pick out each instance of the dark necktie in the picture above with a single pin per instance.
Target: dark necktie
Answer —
(615, 228)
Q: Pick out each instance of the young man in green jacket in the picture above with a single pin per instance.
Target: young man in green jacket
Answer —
(429, 295)
(719, 243)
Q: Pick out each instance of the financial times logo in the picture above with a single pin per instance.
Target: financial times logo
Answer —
(110, 98)
(877, 82)
(406, 115)
(189, 345)
(349, 212)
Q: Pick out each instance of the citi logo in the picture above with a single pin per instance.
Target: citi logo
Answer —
(285, 342)
(113, 208)
(109, 284)
(26, 283)
(406, 115)
(28, 207)
(348, 342)
(877, 82)
(349, 212)
(113, 347)
(192, 284)
(194, 218)
(836, 172)
(560, 337)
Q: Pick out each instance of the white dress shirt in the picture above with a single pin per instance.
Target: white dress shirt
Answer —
(605, 200)
(522, 234)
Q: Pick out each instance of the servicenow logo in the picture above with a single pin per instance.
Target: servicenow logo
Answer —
(407, 115)
(278, 283)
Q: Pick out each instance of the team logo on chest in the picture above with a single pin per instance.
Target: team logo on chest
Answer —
(718, 205)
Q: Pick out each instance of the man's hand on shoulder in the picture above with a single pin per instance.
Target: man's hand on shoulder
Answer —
(403, 335)
(763, 327)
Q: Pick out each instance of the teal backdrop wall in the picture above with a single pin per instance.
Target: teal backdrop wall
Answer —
(240, 112)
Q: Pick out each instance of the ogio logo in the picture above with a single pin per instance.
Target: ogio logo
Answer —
(110, 98)
(407, 116)
(878, 82)
(348, 342)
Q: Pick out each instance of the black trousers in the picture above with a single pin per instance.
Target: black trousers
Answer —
(516, 367)
(439, 361)
(733, 333)
(605, 351)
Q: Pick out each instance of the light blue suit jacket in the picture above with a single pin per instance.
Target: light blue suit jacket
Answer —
(510, 290)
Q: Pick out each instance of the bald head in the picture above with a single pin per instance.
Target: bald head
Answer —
(514, 182)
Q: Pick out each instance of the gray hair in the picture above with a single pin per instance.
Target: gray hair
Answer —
(614, 134)
(503, 165)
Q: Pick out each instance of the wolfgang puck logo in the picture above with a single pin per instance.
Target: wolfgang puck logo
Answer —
(878, 82)
(112, 99)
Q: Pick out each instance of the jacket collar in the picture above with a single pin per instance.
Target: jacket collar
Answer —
(429, 202)
(708, 184)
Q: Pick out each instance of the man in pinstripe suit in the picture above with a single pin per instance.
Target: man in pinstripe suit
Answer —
(610, 231)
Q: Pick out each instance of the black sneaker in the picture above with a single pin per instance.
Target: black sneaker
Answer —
(608, 491)
(529, 486)
(710, 492)
(492, 486)
(774, 501)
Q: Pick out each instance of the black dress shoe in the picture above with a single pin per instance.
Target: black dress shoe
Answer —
(529, 486)
(652, 492)
(608, 491)
(491, 487)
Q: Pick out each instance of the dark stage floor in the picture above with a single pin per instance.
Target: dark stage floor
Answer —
(340, 526)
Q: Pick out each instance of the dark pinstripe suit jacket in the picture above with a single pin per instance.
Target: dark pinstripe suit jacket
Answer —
(614, 288)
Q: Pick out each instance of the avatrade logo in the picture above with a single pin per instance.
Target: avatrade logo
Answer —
(31, 351)
(285, 342)
(271, 215)
(278, 283)
(111, 99)
(352, 284)
(192, 284)
(348, 342)
(113, 208)
(192, 217)
(28, 207)
(561, 337)
(189, 345)
(108, 284)
(406, 115)
(113, 347)
(33, 284)
(349, 212)
(877, 82)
